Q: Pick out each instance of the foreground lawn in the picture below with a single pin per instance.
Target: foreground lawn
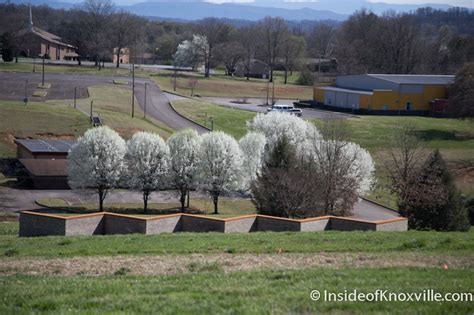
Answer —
(210, 291)
(230, 120)
(454, 243)
(219, 85)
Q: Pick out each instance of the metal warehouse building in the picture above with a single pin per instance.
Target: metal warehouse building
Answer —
(385, 93)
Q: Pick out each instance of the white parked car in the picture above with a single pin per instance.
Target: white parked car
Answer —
(285, 109)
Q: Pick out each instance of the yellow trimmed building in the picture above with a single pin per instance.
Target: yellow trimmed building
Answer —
(385, 93)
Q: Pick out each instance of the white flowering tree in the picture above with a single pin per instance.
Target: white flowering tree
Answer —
(191, 52)
(253, 147)
(147, 162)
(96, 161)
(220, 165)
(184, 148)
(275, 125)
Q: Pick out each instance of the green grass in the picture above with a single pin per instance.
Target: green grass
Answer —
(227, 207)
(219, 85)
(389, 243)
(58, 118)
(72, 69)
(232, 121)
(256, 292)
(37, 120)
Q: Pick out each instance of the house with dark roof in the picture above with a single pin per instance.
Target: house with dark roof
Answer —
(45, 161)
(36, 42)
(402, 94)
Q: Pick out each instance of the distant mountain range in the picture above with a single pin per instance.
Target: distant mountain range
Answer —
(289, 10)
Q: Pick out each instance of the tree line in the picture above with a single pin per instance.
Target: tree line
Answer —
(424, 41)
(287, 166)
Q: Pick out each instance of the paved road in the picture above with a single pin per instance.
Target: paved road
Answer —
(12, 87)
(24, 199)
(257, 105)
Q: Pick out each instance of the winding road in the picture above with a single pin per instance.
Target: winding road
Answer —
(13, 88)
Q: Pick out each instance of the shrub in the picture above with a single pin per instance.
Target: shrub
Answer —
(305, 78)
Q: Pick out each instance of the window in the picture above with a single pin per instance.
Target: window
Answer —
(409, 106)
(386, 107)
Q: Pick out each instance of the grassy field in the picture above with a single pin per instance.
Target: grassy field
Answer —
(210, 292)
(72, 69)
(219, 85)
(240, 273)
(232, 121)
(37, 120)
(227, 207)
(58, 119)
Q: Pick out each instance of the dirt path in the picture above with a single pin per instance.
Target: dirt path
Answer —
(173, 264)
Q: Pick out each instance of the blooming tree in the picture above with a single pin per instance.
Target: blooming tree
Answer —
(220, 164)
(147, 162)
(96, 161)
(252, 146)
(274, 125)
(184, 147)
(191, 52)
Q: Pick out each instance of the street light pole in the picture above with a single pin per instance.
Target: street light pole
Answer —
(92, 102)
(273, 91)
(268, 89)
(133, 90)
(26, 93)
(75, 92)
(42, 78)
(144, 116)
(34, 64)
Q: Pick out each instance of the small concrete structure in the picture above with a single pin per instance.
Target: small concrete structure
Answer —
(42, 224)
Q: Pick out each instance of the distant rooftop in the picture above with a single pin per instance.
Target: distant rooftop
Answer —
(46, 146)
(338, 89)
(414, 78)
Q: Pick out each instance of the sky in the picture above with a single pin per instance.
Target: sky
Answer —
(463, 3)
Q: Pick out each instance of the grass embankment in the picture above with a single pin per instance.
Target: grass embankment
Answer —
(37, 120)
(219, 85)
(241, 292)
(232, 121)
(58, 118)
(227, 207)
(68, 69)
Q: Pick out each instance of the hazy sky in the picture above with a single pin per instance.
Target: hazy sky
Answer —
(463, 3)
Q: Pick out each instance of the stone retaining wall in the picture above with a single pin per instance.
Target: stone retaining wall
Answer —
(41, 224)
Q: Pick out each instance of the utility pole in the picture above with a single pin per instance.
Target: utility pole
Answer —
(42, 78)
(34, 64)
(273, 91)
(26, 93)
(75, 91)
(144, 116)
(174, 79)
(268, 89)
(133, 89)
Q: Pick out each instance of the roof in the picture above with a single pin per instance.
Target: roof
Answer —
(46, 36)
(414, 78)
(337, 89)
(46, 146)
(45, 167)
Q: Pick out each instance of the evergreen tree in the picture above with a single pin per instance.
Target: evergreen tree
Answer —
(434, 202)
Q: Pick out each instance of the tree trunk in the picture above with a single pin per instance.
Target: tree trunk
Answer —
(182, 199)
(286, 75)
(146, 195)
(187, 206)
(101, 199)
(118, 57)
(215, 200)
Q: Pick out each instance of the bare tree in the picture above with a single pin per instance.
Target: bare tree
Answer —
(293, 49)
(248, 37)
(126, 28)
(402, 165)
(230, 54)
(98, 22)
(273, 32)
(215, 32)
